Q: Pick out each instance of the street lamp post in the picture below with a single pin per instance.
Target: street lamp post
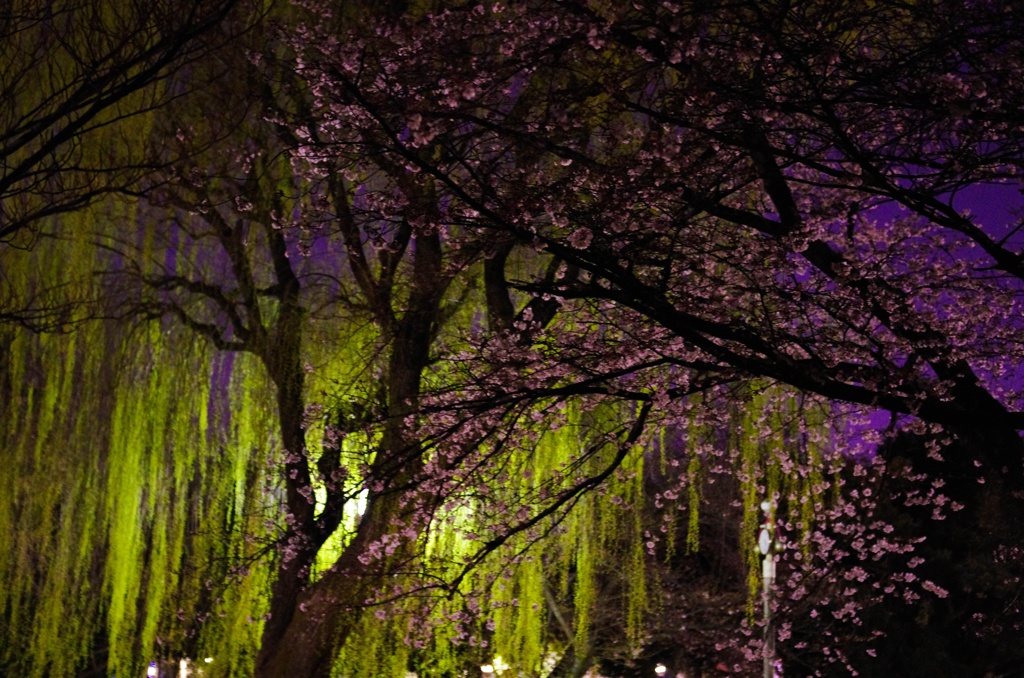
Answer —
(766, 544)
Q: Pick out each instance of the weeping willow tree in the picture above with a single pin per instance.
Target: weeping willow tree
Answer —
(132, 489)
(144, 528)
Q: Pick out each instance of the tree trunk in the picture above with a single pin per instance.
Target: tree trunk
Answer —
(329, 609)
(321, 617)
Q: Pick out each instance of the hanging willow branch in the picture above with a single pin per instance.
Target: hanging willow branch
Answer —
(565, 499)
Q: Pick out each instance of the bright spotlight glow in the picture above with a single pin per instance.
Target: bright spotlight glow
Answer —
(151, 671)
(660, 669)
(764, 541)
(208, 660)
(487, 668)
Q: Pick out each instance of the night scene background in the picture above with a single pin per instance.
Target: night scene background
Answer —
(429, 338)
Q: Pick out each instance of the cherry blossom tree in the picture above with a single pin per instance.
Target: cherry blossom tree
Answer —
(755, 166)
(755, 190)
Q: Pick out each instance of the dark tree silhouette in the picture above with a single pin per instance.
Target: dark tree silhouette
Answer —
(79, 77)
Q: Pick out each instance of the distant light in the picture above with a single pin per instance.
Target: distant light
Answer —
(487, 668)
(151, 671)
(660, 669)
(208, 660)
